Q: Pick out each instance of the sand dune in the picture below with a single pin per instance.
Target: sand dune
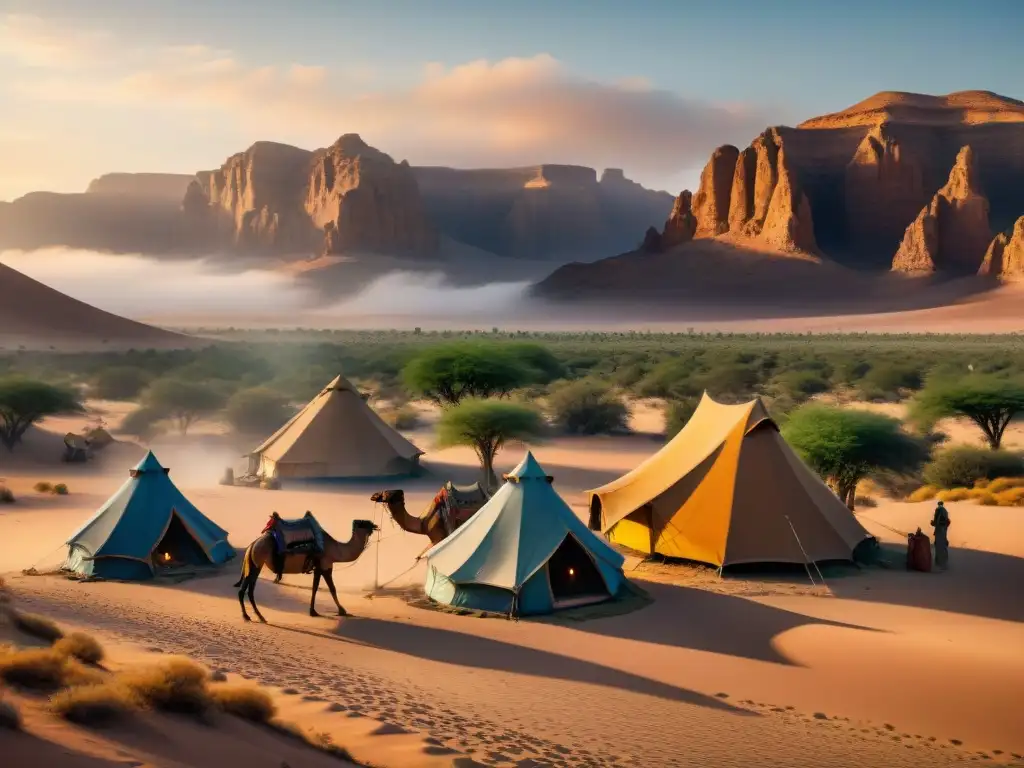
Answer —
(35, 316)
(880, 668)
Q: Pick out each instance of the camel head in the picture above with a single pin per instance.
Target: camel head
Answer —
(388, 497)
(366, 526)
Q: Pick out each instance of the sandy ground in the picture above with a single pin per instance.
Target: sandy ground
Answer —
(878, 668)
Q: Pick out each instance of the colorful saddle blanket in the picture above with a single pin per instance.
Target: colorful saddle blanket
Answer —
(302, 534)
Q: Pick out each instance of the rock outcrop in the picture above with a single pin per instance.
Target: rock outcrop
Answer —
(870, 187)
(952, 232)
(349, 197)
(788, 225)
(682, 224)
(1004, 258)
(711, 203)
(362, 200)
(883, 185)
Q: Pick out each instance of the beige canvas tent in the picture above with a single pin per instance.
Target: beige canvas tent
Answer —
(727, 490)
(336, 435)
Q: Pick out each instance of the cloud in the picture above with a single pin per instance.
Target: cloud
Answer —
(518, 110)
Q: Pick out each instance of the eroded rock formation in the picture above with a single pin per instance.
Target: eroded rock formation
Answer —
(952, 233)
(682, 223)
(1004, 258)
(711, 203)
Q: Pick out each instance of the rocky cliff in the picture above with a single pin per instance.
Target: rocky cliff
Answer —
(884, 184)
(553, 212)
(1004, 258)
(157, 186)
(952, 232)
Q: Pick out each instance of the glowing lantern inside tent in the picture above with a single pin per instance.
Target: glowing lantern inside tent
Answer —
(167, 556)
(572, 572)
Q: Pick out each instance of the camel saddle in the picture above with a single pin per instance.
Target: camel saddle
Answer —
(302, 534)
(458, 503)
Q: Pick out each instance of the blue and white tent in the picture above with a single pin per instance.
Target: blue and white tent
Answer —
(524, 552)
(146, 526)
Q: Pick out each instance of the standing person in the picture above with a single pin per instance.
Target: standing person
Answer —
(940, 522)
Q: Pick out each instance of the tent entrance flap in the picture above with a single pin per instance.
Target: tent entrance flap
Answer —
(573, 574)
(178, 547)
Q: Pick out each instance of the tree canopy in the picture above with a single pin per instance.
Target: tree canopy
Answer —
(844, 446)
(258, 410)
(448, 373)
(25, 401)
(184, 401)
(989, 401)
(486, 425)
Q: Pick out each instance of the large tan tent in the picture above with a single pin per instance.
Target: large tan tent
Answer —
(727, 490)
(336, 435)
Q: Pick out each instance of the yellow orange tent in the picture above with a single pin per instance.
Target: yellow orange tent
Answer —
(727, 490)
(336, 435)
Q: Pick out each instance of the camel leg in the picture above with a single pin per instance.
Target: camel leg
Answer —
(316, 586)
(253, 578)
(329, 578)
(241, 598)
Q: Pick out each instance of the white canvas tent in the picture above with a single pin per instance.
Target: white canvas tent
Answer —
(337, 435)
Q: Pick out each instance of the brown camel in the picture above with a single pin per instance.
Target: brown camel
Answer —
(261, 553)
(430, 525)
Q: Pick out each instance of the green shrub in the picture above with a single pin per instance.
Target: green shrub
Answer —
(962, 465)
(889, 381)
(257, 411)
(677, 413)
(587, 407)
(143, 423)
(120, 383)
(798, 385)
(61, 489)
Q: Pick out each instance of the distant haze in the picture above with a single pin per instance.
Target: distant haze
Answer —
(196, 293)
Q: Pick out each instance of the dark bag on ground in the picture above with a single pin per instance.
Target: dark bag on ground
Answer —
(919, 552)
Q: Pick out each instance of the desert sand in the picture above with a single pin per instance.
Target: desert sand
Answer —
(879, 667)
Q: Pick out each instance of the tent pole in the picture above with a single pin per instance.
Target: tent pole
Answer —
(804, 552)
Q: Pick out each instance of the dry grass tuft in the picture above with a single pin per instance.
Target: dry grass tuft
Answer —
(867, 502)
(924, 493)
(37, 626)
(40, 669)
(315, 739)
(986, 499)
(245, 701)
(1011, 497)
(174, 685)
(43, 487)
(1001, 484)
(94, 705)
(81, 646)
(10, 718)
(6, 495)
(954, 494)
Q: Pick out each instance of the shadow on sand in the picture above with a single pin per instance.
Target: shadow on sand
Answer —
(977, 583)
(693, 618)
(449, 647)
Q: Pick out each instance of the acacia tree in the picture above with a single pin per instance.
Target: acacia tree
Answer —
(989, 401)
(450, 372)
(23, 402)
(485, 426)
(184, 401)
(844, 446)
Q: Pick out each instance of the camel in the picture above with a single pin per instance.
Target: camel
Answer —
(434, 524)
(261, 553)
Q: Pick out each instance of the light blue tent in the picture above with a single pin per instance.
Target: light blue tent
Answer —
(524, 552)
(148, 526)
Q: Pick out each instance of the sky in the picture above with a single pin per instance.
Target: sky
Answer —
(650, 86)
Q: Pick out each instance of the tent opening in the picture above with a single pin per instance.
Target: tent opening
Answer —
(178, 548)
(573, 575)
